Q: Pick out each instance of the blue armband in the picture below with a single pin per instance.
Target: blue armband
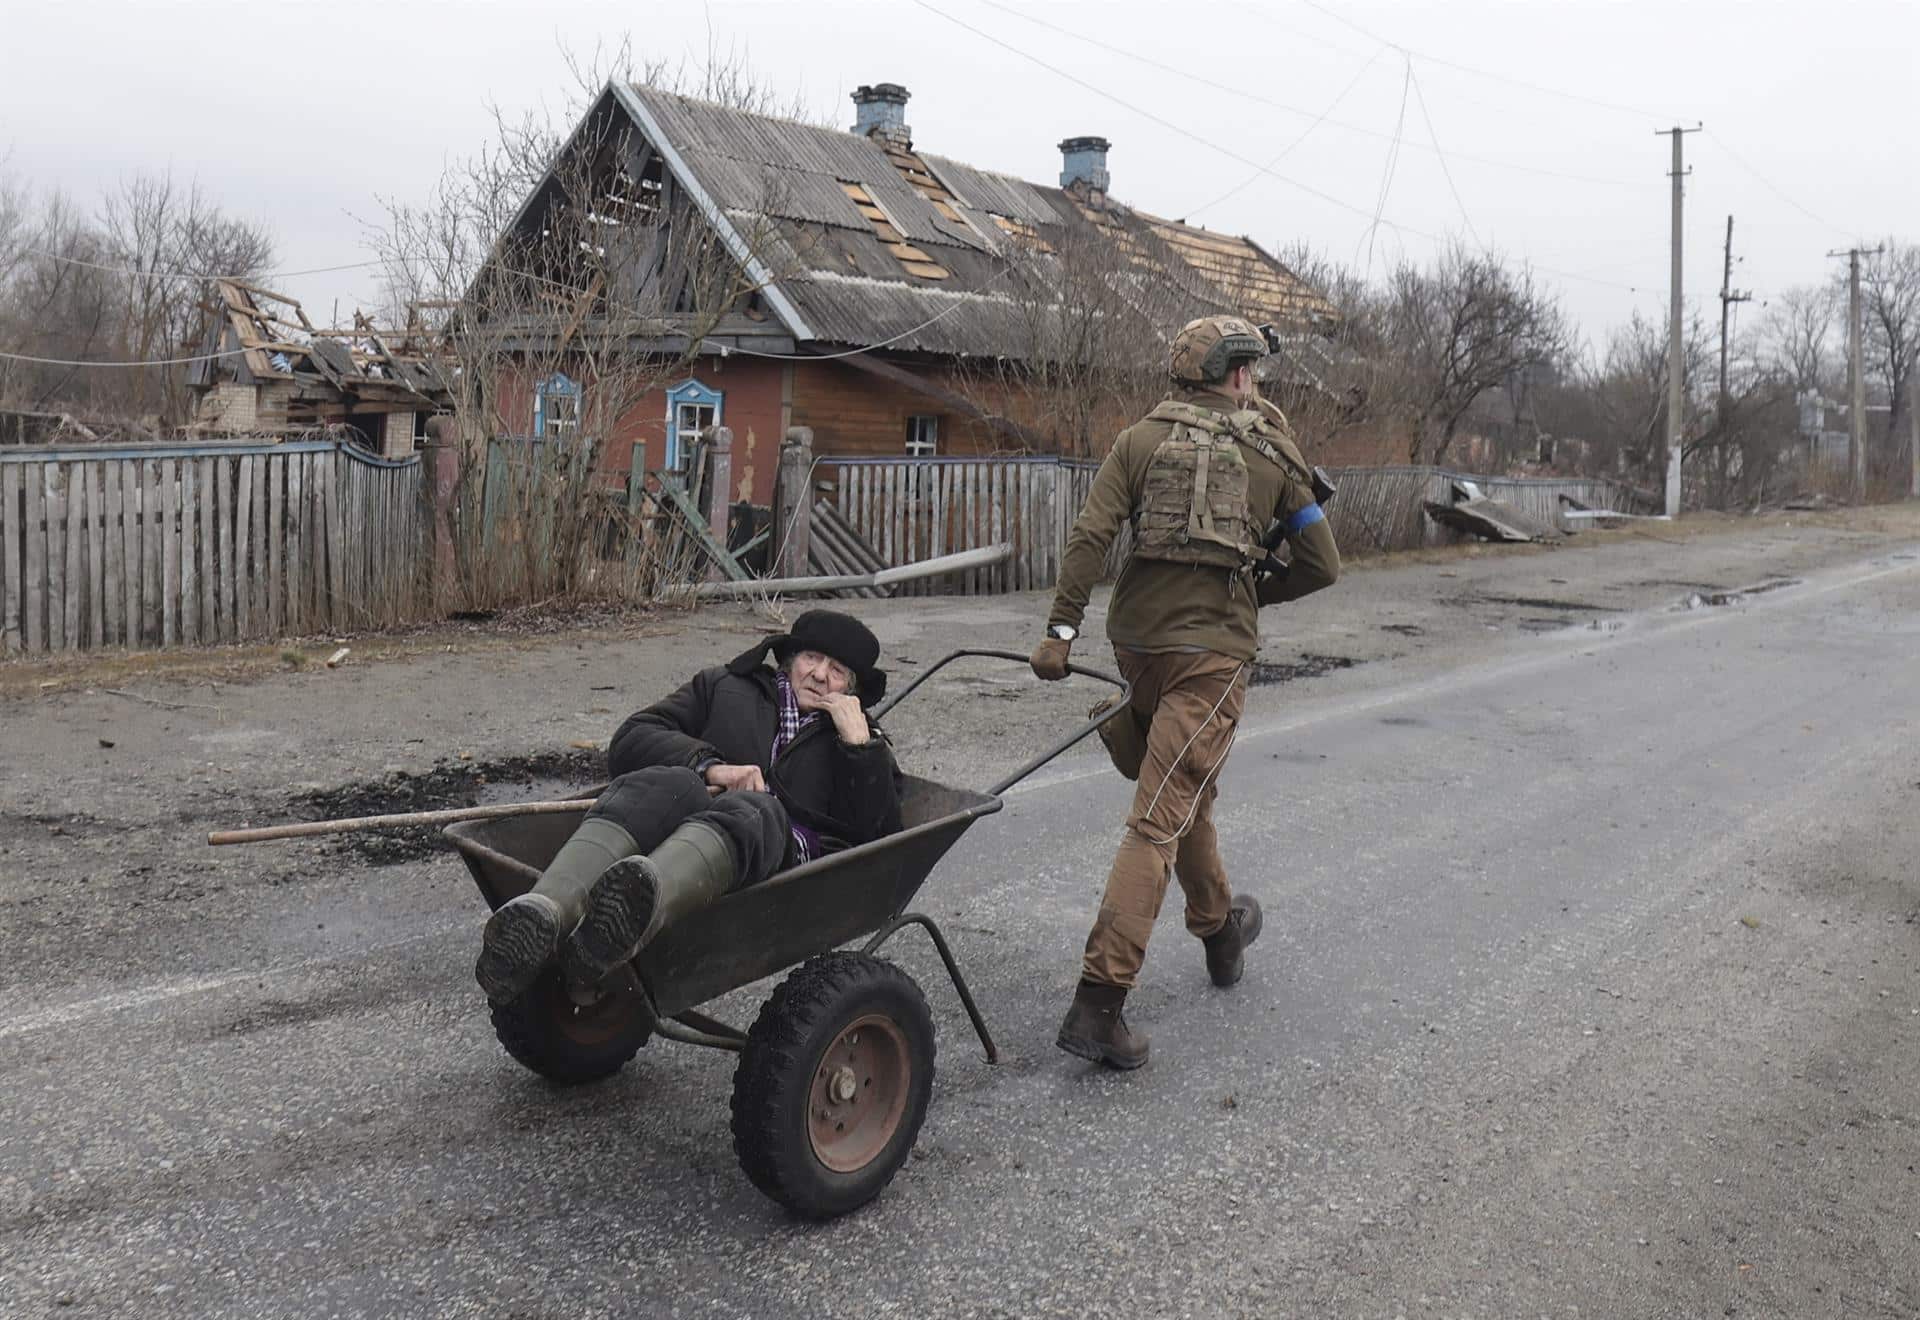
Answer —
(1305, 518)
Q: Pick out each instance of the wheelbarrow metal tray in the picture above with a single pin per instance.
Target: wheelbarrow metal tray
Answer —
(764, 928)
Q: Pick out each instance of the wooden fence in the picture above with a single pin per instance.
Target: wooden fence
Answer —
(152, 545)
(910, 509)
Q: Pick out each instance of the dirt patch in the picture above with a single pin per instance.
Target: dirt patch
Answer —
(1404, 629)
(451, 783)
(1308, 666)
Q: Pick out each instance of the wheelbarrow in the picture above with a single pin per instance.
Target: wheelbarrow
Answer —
(836, 1072)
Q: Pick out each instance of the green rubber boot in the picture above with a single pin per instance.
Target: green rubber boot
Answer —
(635, 898)
(524, 933)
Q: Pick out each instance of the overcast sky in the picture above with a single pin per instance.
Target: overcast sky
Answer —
(1543, 145)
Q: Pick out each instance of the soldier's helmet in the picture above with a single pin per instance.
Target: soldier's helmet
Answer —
(1207, 349)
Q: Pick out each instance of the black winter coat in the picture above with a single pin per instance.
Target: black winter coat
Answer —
(848, 795)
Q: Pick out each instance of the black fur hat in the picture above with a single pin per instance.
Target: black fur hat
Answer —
(840, 636)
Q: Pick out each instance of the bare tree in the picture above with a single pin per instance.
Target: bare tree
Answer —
(1797, 338)
(566, 277)
(1459, 329)
(168, 238)
(1890, 305)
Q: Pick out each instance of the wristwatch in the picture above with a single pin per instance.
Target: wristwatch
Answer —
(1062, 632)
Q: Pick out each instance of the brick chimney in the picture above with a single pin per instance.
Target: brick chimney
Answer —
(881, 111)
(1083, 160)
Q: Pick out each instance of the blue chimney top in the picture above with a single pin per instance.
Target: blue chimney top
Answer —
(1084, 160)
(881, 110)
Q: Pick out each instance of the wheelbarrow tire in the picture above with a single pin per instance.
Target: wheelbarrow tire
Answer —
(833, 1085)
(551, 1031)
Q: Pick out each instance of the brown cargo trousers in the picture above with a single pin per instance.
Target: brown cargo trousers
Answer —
(1189, 704)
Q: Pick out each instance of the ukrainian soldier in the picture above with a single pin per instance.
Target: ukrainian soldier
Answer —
(1200, 478)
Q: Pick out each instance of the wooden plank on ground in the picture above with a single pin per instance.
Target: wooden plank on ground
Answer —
(12, 592)
(36, 557)
(56, 496)
(169, 551)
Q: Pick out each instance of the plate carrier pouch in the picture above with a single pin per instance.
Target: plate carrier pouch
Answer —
(1193, 505)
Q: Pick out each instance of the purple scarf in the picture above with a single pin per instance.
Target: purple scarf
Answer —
(806, 844)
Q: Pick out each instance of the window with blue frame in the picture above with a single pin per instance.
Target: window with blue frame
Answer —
(556, 408)
(691, 409)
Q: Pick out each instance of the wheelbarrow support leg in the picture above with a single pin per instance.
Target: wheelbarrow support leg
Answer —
(889, 930)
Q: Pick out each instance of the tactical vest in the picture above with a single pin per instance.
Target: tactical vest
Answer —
(1193, 504)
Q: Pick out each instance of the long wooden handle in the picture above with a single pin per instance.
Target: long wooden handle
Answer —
(355, 824)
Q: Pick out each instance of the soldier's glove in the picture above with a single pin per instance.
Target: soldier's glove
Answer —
(1049, 659)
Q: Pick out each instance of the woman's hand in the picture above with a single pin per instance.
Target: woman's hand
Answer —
(744, 778)
(848, 718)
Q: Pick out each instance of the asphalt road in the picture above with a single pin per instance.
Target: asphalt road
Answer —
(1590, 986)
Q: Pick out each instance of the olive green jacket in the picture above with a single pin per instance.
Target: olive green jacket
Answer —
(1163, 606)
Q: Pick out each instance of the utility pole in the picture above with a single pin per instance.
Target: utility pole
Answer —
(1913, 435)
(1676, 355)
(1728, 297)
(1856, 376)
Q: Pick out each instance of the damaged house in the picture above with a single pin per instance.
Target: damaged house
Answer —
(275, 373)
(776, 274)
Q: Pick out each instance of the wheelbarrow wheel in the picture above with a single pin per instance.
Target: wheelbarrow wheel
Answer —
(571, 1034)
(833, 1085)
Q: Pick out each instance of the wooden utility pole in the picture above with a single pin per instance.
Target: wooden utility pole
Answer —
(1676, 353)
(1728, 297)
(1856, 375)
(1913, 435)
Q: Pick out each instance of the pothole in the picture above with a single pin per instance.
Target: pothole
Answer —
(1717, 599)
(1264, 672)
(448, 784)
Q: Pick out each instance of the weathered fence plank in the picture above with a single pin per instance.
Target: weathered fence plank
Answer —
(190, 491)
(36, 555)
(257, 561)
(55, 493)
(91, 498)
(169, 551)
(12, 588)
(132, 494)
(243, 547)
(276, 537)
(295, 620)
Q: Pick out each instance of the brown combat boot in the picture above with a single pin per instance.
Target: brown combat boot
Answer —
(1097, 1030)
(1226, 946)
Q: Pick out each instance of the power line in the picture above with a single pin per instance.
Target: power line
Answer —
(153, 362)
(1163, 122)
(1393, 161)
(1435, 139)
(1774, 188)
(1287, 150)
(190, 275)
(1322, 117)
(1522, 83)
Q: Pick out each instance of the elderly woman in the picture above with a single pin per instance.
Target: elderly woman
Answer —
(748, 769)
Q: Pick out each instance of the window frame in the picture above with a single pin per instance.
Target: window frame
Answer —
(557, 386)
(688, 392)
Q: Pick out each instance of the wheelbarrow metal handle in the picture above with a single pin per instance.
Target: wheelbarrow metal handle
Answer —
(1126, 691)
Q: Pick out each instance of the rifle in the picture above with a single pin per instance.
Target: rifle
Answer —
(1271, 565)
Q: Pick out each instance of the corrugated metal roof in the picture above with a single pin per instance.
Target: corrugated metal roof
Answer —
(851, 285)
